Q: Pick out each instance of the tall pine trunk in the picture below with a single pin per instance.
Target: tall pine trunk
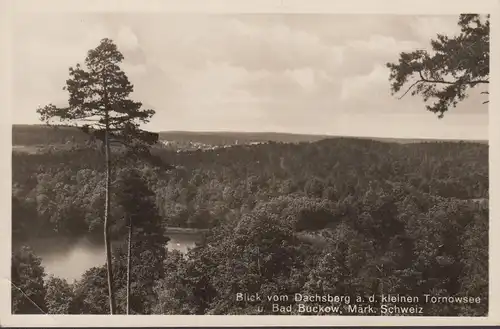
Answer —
(129, 262)
(107, 239)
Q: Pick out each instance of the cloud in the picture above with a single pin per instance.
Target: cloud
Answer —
(356, 86)
(305, 77)
(237, 41)
(126, 39)
(381, 44)
(427, 27)
(45, 47)
(250, 72)
(134, 70)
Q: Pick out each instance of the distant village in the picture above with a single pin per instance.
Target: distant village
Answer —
(186, 146)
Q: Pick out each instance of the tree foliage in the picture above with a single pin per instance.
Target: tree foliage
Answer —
(28, 290)
(455, 64)
(59, 296)
(406, 219)
(99, 95)
(99, 104)
(147, 244)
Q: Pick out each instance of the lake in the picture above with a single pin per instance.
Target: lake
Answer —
(69, 259)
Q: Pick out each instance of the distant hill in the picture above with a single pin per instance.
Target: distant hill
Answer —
(31, 135)
(223, 138)
(28, 136)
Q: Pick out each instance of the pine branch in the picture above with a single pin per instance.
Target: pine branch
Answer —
(458, 83)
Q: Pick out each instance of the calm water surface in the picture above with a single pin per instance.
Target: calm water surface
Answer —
(69, 259)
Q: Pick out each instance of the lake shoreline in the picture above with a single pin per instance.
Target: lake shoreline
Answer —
(96, 237)
(70, 257)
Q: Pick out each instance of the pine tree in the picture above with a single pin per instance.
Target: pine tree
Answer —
(99, 104)
(454, 65)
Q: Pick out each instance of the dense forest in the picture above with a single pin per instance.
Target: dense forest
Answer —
(339, 216)
(292, 224)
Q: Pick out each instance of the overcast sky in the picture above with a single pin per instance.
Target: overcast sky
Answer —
(320, 74)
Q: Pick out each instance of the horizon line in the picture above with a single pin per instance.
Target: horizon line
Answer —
(279, 132)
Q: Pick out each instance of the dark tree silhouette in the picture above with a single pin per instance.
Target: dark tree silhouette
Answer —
(99, 102)
(450, 69)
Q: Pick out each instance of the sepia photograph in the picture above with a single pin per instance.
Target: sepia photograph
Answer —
(291, 164)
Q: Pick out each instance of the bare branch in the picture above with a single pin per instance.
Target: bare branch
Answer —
(472, 83)
(27, 297)
(425, 80)
(89, 120)
(413, 85)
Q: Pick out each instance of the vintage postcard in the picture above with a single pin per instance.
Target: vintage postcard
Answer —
(249, 163)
